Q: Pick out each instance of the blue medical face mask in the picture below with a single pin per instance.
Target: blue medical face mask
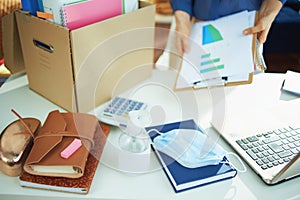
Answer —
(191, 148)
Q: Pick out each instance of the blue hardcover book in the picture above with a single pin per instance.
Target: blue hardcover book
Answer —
(183, 178)
(30, 5)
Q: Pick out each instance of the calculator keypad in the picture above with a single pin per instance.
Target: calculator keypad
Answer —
(121, 107)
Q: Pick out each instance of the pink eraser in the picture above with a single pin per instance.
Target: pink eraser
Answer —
(69, 150)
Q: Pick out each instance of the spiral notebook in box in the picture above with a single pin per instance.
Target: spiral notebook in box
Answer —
(54, 8)
(84, 13)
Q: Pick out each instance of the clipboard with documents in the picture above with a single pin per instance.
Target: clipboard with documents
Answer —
(220, 55)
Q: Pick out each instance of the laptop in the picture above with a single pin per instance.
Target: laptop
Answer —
(267, 139)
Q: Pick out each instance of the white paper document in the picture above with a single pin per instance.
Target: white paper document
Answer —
(218, 49)
(292, 82)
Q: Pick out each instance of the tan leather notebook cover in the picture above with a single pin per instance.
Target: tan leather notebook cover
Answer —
(74, 185)
(57, 133)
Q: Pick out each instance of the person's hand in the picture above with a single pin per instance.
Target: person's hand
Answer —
(182, 32)
(266, 15)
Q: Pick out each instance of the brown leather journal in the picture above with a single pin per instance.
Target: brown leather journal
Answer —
(57, 133)
(75, 185)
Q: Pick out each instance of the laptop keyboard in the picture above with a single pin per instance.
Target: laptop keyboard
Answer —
(274, 147)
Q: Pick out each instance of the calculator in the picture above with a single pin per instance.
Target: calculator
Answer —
(116, 111)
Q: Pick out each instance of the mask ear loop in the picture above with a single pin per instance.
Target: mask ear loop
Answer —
(156, 131)
(240, 160)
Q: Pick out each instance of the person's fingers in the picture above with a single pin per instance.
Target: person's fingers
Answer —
(262, 37)
(186, 45)
(261, 29)
(178, 45)
(255, 29)
(182, 42)
(182, 45)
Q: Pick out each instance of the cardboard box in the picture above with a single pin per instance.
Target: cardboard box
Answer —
(11, 44)
(81, 69)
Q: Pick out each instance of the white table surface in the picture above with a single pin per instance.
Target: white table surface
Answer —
(111, 182)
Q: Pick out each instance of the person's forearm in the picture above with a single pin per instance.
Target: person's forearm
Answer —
(182, 31)
(270, 8)
(182, 18)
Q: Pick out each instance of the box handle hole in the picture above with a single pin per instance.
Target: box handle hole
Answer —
(43, 46)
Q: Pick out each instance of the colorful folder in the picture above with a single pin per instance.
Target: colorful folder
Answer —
(84, 13)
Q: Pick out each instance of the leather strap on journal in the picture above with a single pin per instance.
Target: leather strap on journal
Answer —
(58, 131)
